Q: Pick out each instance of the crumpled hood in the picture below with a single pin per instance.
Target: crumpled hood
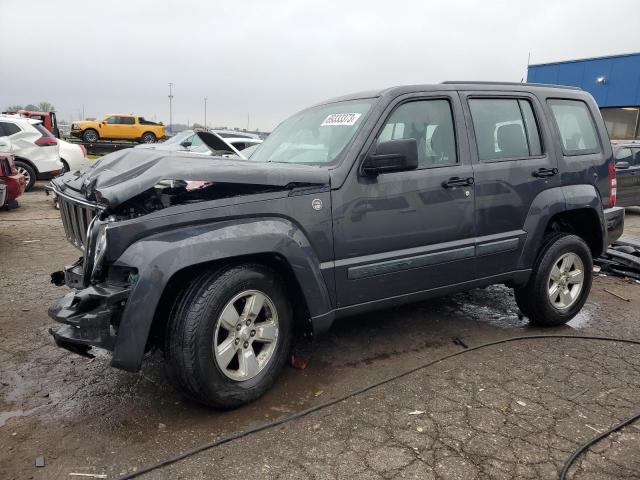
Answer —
(122, 175)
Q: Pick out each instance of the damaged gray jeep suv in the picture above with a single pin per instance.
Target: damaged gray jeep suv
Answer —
(360, 203)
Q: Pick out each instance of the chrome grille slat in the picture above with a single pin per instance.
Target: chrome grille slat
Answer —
(76, 217)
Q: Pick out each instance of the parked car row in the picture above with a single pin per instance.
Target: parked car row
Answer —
(37, 153)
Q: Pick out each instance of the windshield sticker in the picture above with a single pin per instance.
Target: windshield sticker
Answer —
(341, 119)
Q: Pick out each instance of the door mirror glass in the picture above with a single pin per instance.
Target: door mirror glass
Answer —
(622, 165)
(392, 156)
(186, 144)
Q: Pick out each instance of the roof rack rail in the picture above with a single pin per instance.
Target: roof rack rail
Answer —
(475, 82)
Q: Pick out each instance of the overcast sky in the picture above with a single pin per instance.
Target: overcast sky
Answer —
(269, 59)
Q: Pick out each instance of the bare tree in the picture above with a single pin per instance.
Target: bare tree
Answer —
(14, 108)
(46, 107)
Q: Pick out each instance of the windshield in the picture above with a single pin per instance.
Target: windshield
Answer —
(314, 136)
(179, 137)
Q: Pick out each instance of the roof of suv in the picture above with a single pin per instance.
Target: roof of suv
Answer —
(450, 85)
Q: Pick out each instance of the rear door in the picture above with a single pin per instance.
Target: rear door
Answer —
(512, 166)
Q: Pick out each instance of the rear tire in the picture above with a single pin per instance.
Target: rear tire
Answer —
(90, 136)
(216, 342)
(560, 282)
(148, 137)
(28, 172)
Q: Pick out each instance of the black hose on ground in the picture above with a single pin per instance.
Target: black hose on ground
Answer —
(303, 413)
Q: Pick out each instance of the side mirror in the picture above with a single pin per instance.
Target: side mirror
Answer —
(392, 156)
(622, 165)
(185, 144)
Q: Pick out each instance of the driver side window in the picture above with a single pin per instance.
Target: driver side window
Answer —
(430, 122)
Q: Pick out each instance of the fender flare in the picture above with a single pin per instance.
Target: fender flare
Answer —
(551, 202)
(160, 256)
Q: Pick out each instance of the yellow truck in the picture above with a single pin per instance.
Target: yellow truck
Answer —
(118, 126)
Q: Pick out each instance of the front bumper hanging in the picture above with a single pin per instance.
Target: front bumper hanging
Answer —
(90, 318)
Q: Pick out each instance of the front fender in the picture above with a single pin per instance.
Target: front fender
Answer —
(158, 257)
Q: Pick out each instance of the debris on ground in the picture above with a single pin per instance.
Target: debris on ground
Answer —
(617, 295)
(417, 412)
(40, 461)
(90, 475)
(622, 258)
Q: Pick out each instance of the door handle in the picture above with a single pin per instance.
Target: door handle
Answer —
(457, 182)
(545, 172)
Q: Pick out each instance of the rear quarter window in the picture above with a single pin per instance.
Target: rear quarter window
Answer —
(7, 129)
(43, 131)
(576, 127)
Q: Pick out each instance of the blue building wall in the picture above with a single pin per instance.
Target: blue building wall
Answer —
(621, 87)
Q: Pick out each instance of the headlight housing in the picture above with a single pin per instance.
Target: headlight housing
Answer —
(96, 248)
(100, 245)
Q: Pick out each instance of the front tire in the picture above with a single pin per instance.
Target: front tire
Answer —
(229, 335)
(560, 282)
(90, 136)
(28, 172)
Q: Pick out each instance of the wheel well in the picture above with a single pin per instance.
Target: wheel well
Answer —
(148, 132)
(182, 278)
(29, 162)
(583, 222)
(66, 165)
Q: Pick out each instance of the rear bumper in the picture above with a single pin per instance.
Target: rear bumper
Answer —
(15, 186)
(90, 318)
(614, 219)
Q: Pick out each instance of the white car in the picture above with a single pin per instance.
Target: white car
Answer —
(242, 143)
(73, 156)
(35, 148)
(200, 142)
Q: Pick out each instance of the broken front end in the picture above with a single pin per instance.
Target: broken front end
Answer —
(91, 314)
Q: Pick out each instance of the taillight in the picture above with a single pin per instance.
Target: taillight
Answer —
(84, 150)
(46, 141)
(613, 185)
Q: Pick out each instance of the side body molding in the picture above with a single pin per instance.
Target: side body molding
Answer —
(159, 256)
(546, 205)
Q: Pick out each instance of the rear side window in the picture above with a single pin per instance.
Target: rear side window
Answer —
(505, 128)
(7, 129)
(630, 155)
(126, 120)
(575, 125)
(430, 122)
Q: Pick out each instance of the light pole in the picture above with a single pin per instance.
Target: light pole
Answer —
(170, 107)
(205, 113)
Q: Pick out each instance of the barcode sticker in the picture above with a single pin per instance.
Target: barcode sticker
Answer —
(341, 119)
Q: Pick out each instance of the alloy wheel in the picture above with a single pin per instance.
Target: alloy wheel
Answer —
(24, 172)
(565, 281)
(245, 335)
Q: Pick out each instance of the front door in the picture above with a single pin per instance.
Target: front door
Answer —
(409, 231)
